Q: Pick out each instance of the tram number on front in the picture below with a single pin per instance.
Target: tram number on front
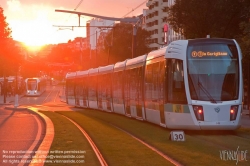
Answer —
(177, 135)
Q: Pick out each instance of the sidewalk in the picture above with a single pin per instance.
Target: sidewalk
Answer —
(9, 99)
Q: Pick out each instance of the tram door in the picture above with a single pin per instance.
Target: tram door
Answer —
(101, 88)
(139, 89)
(127, 93)
(161, 83)
(108, 92)
(77, 92)
(154, 88)
(85, 92)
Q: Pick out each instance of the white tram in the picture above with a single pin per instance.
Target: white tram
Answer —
(35, 86)
(190, 84)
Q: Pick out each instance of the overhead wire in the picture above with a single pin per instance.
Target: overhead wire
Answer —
(75, 9)
(123, 16)
(133, 9)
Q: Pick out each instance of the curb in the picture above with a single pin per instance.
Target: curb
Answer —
(47, 139)
(16, 109)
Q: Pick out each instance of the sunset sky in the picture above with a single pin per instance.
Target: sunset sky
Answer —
(32, 21)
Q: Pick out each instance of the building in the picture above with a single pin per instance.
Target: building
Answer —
(95, 27)
(156, 19)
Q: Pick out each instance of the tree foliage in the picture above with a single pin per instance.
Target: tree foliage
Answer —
(118, 43)
(5, 31)
(198, 18)
(10, 57)
(244, 40)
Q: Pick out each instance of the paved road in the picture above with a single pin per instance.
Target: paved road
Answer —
(19, 131)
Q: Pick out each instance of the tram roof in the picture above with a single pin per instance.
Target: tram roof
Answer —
(93, 71)
(136, 62)
(106, 69)
(70, 75)
(157, 53)
(119, 66)
(82, 73)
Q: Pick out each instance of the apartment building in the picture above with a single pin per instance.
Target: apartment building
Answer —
(156, 20)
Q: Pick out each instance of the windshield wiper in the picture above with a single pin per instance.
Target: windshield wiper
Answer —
(206, 92)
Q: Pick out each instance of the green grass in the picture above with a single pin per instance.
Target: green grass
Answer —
(119, 148)
(68, 137)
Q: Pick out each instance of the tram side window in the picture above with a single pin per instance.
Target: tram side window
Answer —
(118, 87)
(148, 84)
(133, 86)
(154, 84)
(161, 77)
(139, 85)
(108, 86)
(175, 80)
(92, 88)
(70, 87)
(127, 85)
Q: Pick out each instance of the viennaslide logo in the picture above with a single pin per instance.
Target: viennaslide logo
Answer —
(236, 155)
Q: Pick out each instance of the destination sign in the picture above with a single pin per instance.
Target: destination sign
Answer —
(200, 54)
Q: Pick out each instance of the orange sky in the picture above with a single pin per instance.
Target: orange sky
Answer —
(32, 21)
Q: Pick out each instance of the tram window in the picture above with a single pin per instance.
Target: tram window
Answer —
(175, 79)
(161, 81)
(92, 88)
(133, 86)
(127, 85)
(148, 85)
(32, 84)
(70, 88)
(154, 84)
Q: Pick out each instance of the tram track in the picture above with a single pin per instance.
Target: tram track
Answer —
(99, 155)
(176, 163)
(206, 144)
(91, 142)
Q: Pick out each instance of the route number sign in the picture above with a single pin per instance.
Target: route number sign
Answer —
(177, 136)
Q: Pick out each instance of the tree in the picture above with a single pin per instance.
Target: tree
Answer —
(198, 18)
(118, 43)
(8, 52)
(244, 41)
(5, 31)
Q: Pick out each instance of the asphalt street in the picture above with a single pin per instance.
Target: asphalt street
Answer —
(19, 131)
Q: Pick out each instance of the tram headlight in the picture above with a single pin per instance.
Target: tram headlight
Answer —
(233, 112)
(198, 111)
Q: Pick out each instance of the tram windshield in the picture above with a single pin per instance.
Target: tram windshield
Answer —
(31, 84)
(213, 72)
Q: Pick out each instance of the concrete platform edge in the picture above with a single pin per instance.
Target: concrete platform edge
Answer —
(47, 140)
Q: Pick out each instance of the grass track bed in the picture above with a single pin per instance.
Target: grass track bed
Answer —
(118, 148)
(68, 137)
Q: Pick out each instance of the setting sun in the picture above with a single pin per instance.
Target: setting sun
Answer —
(33, 22)
(36, 32)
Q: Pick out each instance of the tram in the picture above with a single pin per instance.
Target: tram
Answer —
(35, 86)
(190, 84)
